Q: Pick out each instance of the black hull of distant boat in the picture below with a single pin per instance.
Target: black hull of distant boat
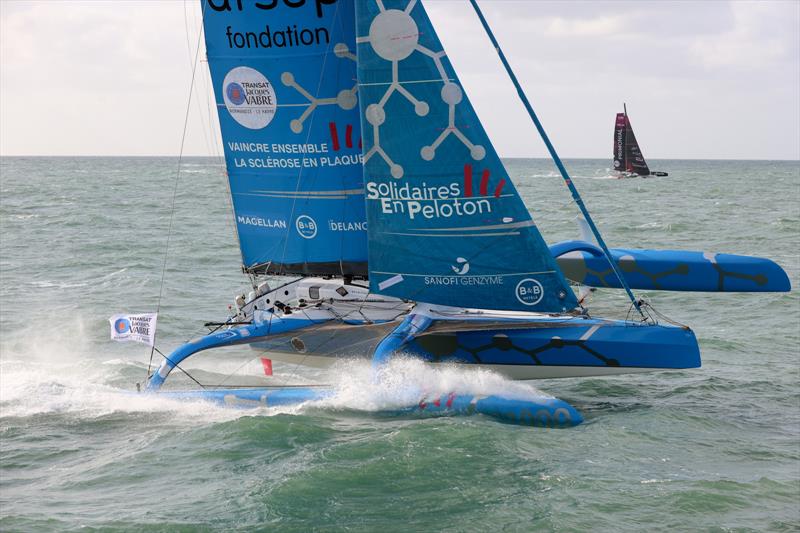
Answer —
(655, 174)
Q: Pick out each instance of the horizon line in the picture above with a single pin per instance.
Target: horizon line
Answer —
(544, 158)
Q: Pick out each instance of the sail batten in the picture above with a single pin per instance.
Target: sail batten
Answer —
(284, 77)
(446, 224)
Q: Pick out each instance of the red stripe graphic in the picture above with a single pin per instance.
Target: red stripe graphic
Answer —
(267, 364)
(499, 188)
(450, 398)
(334, 135)
(467, 180)
(485, 183)
(348, 136)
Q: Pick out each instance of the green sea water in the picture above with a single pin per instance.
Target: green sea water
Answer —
(711, 449)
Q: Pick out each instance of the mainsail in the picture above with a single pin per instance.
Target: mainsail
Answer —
(284, 78)
(446, 224)
(627, 155)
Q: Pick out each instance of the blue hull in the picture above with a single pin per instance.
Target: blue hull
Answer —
(670, 270)
(539, 412)
(578, 342)
(561, 346)
(519, 349)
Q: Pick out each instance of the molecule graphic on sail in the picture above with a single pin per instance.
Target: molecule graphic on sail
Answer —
(394, 36)
(346, 99)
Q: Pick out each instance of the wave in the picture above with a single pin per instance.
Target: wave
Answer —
(56, 372)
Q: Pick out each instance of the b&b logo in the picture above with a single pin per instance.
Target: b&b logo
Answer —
(529, 291)
(306, 226)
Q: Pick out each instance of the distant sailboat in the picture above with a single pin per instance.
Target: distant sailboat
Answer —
(413, 238)
(628, 159)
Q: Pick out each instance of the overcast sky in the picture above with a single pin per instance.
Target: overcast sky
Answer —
(713, 79)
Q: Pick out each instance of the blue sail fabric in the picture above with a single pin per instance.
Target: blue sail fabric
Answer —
(284, 78)
(446, 224)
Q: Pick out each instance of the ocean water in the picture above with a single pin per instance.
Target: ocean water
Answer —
(712, 449)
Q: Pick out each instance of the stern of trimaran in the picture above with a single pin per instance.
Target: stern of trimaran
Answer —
(359, 168)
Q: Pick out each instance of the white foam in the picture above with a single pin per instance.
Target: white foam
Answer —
(35, 388)
(58, 371)
(405, 381)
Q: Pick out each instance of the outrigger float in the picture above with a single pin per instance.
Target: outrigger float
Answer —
(423, 247)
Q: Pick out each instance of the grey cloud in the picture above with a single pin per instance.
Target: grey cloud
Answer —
(112, 77)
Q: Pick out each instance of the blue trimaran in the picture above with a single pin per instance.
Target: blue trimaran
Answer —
(358, 166)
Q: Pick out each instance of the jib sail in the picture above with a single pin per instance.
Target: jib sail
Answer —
(446, 224)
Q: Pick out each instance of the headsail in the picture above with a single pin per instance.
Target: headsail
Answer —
(446, 225)
(284, 78)
(627, 154)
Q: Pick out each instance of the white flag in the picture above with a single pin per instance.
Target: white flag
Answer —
(139, 328)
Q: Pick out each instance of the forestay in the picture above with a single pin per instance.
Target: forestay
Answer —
(284, 78)
(446, 224)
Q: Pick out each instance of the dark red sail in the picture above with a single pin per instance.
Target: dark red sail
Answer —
(634, 160)
(619, 142)
(627, 154)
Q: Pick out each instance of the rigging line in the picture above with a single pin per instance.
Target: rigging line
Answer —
(262, 352)
(310, 128)
(656, 312)
(225, 379)
(175, 191)
(557, 160)
(343, 179)
(232, 219)
(215, 133)
(176, 365)
(210, 133)
(189, 50)
(207, 119)
(308, 329)
(261, 387)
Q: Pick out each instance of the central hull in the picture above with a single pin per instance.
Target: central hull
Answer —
(541, 349)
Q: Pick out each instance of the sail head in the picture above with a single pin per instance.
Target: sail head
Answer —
(446, 224)
(284, 83)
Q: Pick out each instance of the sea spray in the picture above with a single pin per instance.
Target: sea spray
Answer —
(406, 381)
